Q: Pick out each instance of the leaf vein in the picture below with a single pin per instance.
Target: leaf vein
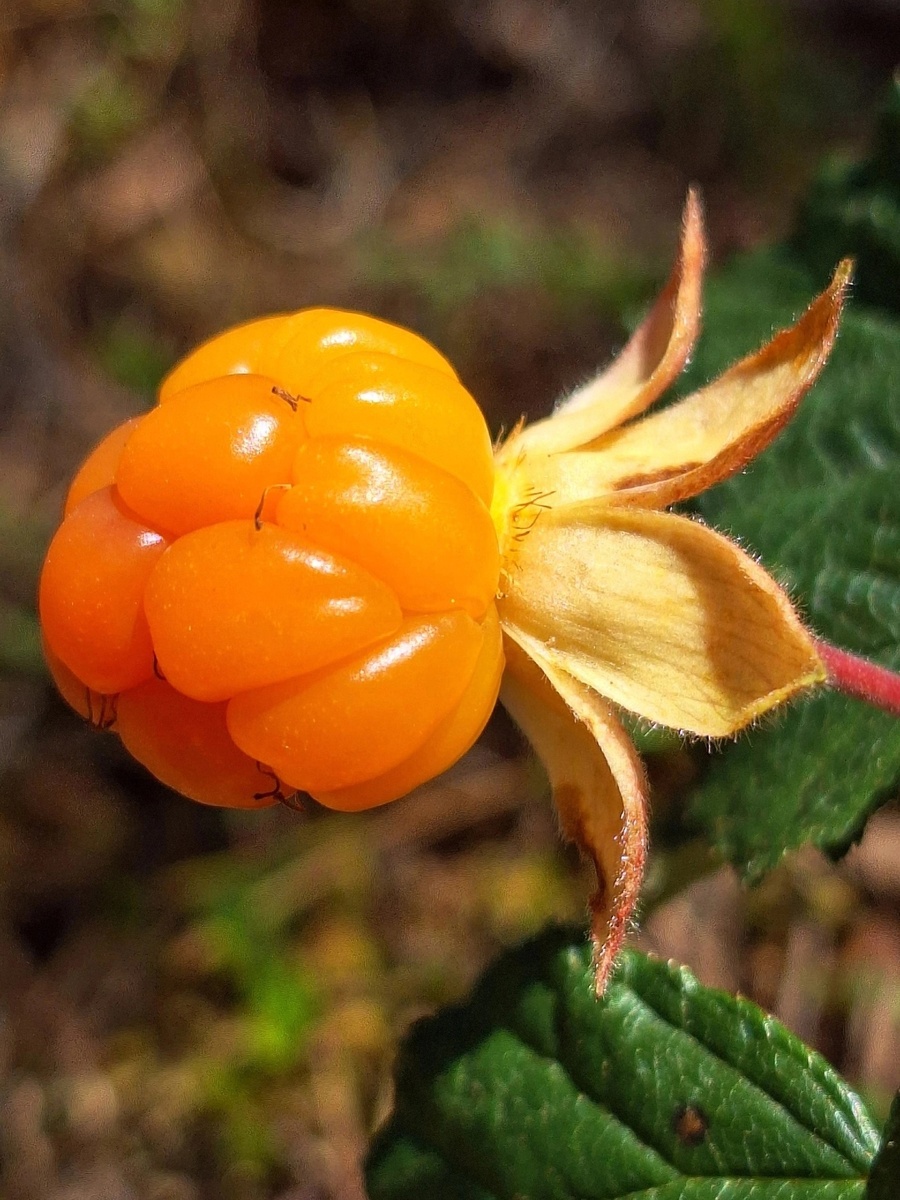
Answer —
(780, 1104)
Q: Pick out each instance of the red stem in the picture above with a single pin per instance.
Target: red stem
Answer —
(858, 677)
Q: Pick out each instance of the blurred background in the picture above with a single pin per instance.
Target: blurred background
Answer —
(201, 1004)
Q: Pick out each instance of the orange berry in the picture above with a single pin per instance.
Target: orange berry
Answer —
(209, 454)
(359, 719)
(232, 607)
(289, 561)
(419, 529)
(186, 745)
(237, 351)
(455, 734)
(404, 404)
(92, 591)
(99, 468)
(309, 340)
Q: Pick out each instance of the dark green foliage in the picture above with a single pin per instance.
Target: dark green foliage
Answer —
(822, 509)
(855, 209)
(884, 1181)
(663, 1090)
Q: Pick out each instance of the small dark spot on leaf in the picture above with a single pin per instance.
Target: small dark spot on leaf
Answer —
(690, 1123)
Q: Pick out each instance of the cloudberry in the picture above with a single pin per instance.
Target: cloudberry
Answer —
(283, 577)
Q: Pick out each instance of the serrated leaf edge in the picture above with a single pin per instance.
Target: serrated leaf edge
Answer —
(683, 980)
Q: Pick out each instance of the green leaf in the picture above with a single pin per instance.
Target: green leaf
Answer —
(884, 1181)
(855, 209)
(664, 1090)
(816, 776)
(822, 509)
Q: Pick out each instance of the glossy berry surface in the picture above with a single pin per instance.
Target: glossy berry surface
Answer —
(283, 576)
